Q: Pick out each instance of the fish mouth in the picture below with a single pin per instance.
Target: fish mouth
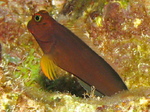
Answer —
(41, 38)
(46, 41)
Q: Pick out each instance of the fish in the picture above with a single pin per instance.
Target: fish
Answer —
(64, 49)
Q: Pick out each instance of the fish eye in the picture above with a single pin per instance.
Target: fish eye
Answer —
(37, 18)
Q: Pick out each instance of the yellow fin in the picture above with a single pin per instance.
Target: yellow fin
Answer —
(48, 67)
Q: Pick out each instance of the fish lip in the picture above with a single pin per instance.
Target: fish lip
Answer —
(29, 26)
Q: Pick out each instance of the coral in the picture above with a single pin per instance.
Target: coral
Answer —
(116, 30)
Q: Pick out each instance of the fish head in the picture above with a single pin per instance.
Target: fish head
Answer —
(41, 26)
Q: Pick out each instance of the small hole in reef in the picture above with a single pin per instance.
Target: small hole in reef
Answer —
(63, 84)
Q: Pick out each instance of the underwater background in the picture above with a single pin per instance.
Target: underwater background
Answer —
(118, 30)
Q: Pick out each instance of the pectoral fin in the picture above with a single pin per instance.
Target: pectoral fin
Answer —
(48, 67)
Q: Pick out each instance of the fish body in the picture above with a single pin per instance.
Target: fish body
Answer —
(70, 53)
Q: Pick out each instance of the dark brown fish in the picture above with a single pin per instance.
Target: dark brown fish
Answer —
(70, 53)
